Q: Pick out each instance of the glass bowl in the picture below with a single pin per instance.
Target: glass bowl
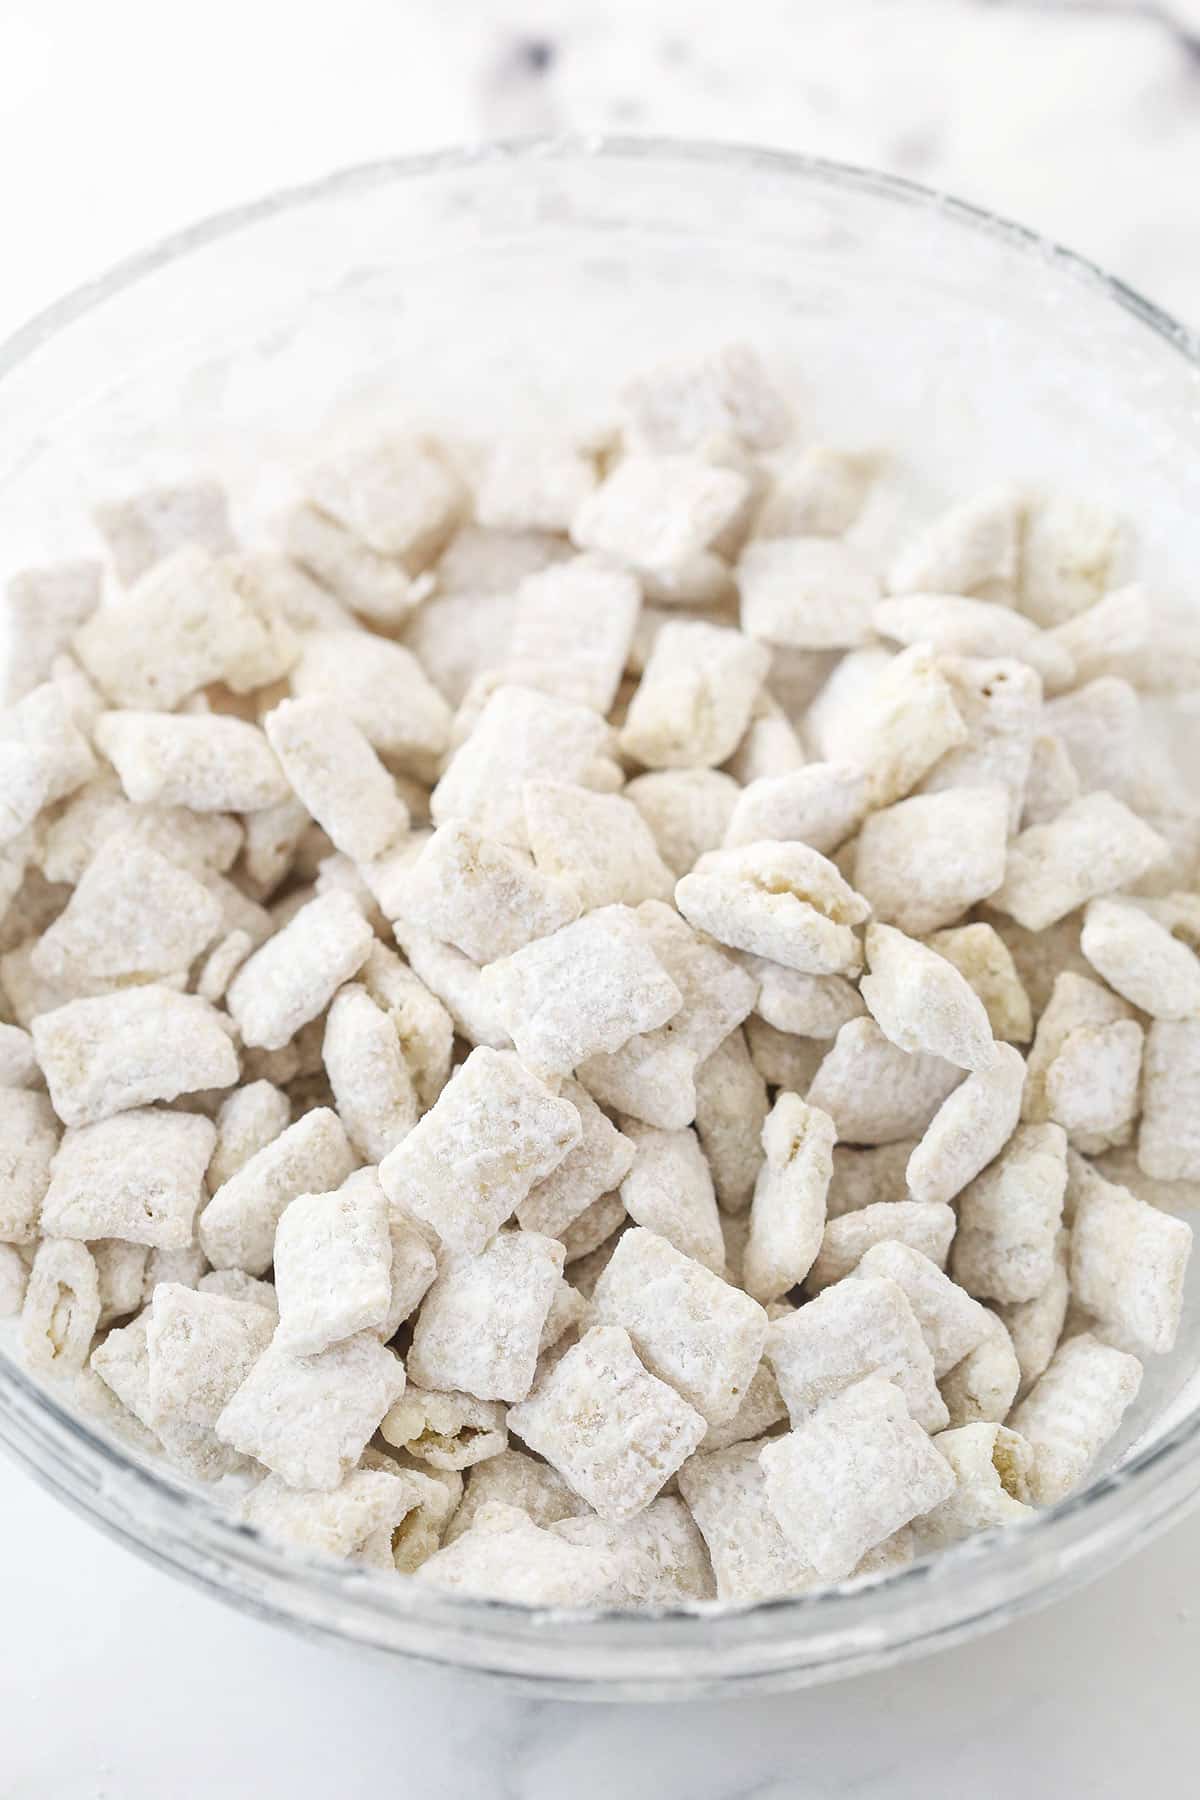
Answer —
(517, 285)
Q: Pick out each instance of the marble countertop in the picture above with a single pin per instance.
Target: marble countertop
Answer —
(117, 124)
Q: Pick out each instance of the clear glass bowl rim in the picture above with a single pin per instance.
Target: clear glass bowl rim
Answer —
(711, 1650)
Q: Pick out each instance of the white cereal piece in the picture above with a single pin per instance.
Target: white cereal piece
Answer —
(787, 1215)
(481, 896)
(864, 1177)
(762, 1406)
(122, 1363)
(187, 1266)
(971, 549)
(233, 1284)
(695, 698)
(1073, 1411)
(237, 1227)
(783, 901)
(201, 1347)
(447, 1431)
(612, 1430)
(293, 977)
(382, 687)
(105, 1055)
(821, 805)
(574, 625)
(658, 1559)
(249, 1119)
(808, 593)
(18, 1064)
(686, 1324)
(819, 494)
(141, 529)
(28, 1140)
(678, 406)
(1052, 783)
(1112, 746)
(514, 1479)
(597, 1164)
(183, 625)
(1141, 959)
(770, 746)
(272, 584)
(924, 1225)
(958, 627)
(952, 1323)
(566, 1314)
(814, 1006)
(588, 988)
(1127, 1267)
(457, 985)
(421, 1022)
(492, 1135)
(922, 1003)
(209, 762)
(751, 1558)
(533, 484)
(504, 1556)
(198, 842)
(520, 736)
(669, 1190)
(593, 1228)
(1000, 702)
(596, 844)
(982, 1387)
(369, 1505)
(138, 1176)
(992, 1466)
(273, 838)
(480, 1325)
(307, 1418)
(731, 1110)
(782, 1059)
(653, 1075)
(457, 636)
(1169, 1139)
(1092, 1086)
(375, 1095)
(852, 1474)
(61, 1308)
(13, 1278)
(43, 755)
(398, 496)
(657, 512)
(134, 914)
(22, 790)
(982, 957)
(1093, 847)
(222, 964)
(1035, 1326)
(43, 609)
(334, 770)
(905, 723)
(1075, 1003)
(333, 1267)
(1009, 1218)
(875, 1092)
(923, 862)
(971, 1126)
(688, 811)
(1071, 551)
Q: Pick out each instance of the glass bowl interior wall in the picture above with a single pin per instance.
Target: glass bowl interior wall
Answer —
(513, 290)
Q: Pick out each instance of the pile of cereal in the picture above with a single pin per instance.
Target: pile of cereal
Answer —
(576, 1037)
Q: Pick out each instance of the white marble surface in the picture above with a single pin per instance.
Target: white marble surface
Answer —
(119, 122)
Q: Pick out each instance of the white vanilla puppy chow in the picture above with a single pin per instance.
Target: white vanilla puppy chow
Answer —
(596, 1025)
